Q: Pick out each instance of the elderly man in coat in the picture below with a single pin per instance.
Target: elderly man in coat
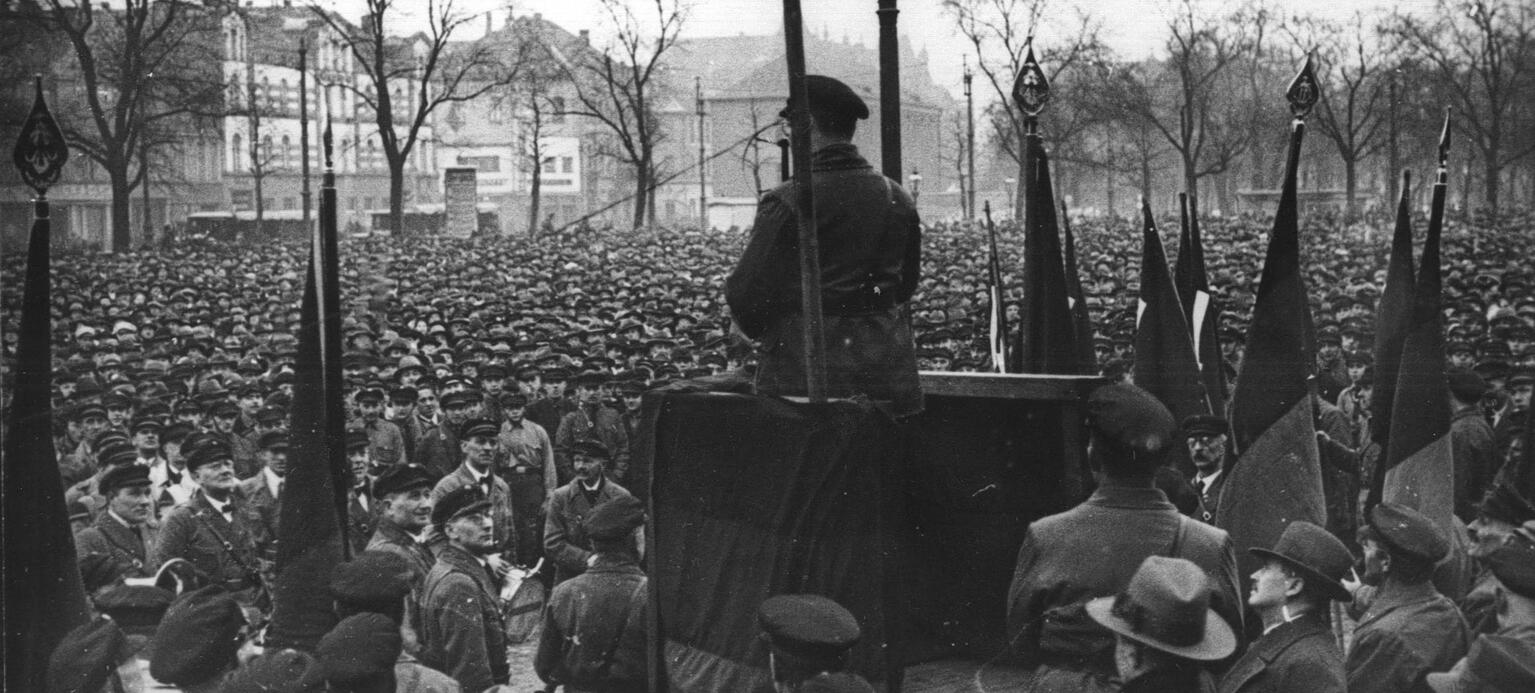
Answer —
(1126, 520)
(565, 539)
(461, 630)
(1293, 593)
(871, 249)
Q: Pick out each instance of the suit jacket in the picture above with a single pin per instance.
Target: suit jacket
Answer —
(130, 547)
(439, 450)
(1475, 458)
(198, 533)
(605, 426)
(582, 645)
(565, 540)
(1297, 656)
(502, 512)
(1209, 497)
(262, 510)
(360, 522)
(461, 629)
(1408, 632)
(1092, 551)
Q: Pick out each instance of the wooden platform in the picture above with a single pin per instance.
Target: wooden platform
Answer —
(963, 676)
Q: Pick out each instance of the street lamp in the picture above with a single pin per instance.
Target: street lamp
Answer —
(1010, 183)
(916, 186)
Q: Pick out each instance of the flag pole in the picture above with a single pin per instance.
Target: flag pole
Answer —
(804, 198)
(998, 334)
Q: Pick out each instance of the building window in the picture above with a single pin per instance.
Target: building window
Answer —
(486, 164)
(567, 164)
(287, 152)
(236, 154)
(549, 165)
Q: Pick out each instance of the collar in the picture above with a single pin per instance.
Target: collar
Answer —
(602, 481)
(1138, 497)
(221, 508)
(272, 480)
(1394, 594)
(477, 477)
(1209, 479)
(119, 519)
(838, 157)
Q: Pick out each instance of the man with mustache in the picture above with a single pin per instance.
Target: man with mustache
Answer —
(210, 531)
(565, 540)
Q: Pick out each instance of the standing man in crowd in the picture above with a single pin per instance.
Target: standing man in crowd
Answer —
(565, 540)
(461, 629)
(1126, 520)
(1206, 438)
(211, 531)
(591, 420)
(440, 451)
(1409, 629)
(595, 634)
(121, 531)
(478, 451)
(529, 472)
(386, 445)
(1474, 451)
(262, 494)
(871, 249)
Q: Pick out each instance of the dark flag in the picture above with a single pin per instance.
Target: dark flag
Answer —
(1081, 322)
(44, 598)
(314, 508)
(1164, 353)
(1418, 468)
(1393, 317)
(996, 336)
(1046, 337)
(1276, 479)
(1199, 307)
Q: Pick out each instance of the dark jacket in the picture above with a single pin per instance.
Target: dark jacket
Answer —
(1297, 656)
(438, 450)
(1476, 460)
(594, 634)
(1407, 633)
(502, 514)
(262, 509)
(128, 546)
(602, 425)
(222, 549)
(1092, 551)
(871, 248)
(565, 541)
(461, 630)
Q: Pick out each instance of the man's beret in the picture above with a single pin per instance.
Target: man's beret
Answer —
(615, 519)
(134, 606)
(274, 440)
(832, 95)
(87, 656)
(373, 581)
(1131, 418)
(1407, 532)
(478, 427)
(1205, 424)
(1513, 564)
(808, 625)
(123, 476)
(197, 638)
(399, 478)
(1466, 385)
(361, 648)
(457, 503)
(591, 447)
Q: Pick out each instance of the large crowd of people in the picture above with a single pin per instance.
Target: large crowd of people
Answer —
(493, 389)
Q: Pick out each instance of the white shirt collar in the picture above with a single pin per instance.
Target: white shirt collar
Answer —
(272, 480)
(224, 508)
(1207, 480)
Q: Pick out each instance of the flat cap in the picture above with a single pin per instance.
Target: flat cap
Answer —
(360, 649)
(373, 581)
(85, 659)
(459, 398)
(1514, 565)
(614, 519)
(1408, 532)
(207, 451)
(274, 440)
(830, 94)
(808, 625)
(1131, 418)
(1205, 424)
(123, 476)
(458, 503)
(1466, 385)
(478, 427)
(399, 478)
(591, 447)
(280, 671)
(116, 453)
(197, 638)
(356, 440)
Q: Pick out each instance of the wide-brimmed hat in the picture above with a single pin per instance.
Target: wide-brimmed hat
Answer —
(1314, 552)
(1167, 606)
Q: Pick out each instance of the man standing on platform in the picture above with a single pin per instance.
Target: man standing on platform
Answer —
(565, 540)
(1095, 548)
(871, 247)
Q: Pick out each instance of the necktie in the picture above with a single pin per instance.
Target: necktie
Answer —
(280, 482)
(1199, 487)
(172, 477)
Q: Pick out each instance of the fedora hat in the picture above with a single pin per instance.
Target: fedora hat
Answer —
(1314, 552)
(1167, 606)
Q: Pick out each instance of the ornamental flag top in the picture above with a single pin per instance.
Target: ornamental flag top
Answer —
(1303, 92)
(1032, 89)
(40, 150)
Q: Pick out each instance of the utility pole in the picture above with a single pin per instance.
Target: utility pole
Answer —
(303, 124)
(969, 143)
(703, 197)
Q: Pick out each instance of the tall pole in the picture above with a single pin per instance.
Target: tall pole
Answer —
(703, 197)
(149, 230)
(303, 124)
(809, 242)
(889, 92)
(969, 144)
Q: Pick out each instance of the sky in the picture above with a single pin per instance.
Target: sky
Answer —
(1133, 28)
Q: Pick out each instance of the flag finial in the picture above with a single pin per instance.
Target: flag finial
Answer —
(1303, 92)
(1032, 89)
(40, 151)
(1444, 145)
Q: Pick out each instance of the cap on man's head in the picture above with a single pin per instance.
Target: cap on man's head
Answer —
(400, 478)
(1205, 425)
(458, 503)
(87, 656)
(833, 97)
(591, 447)
(116, 453)
(197, 638)
(274, 440)
(357, 440)
(808, 625)
(207, 451)
(1131, 418)
(478, 427)
(1513, 564)
(1407, 532)
(1466, 385)
(375, 581)
(123, 476)
(614, 519)
(362, 648)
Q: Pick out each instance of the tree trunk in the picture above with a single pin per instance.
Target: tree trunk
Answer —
(258, 176)
(1145, 179)
(122, 214)
(1191, 183)
(397, 196)
(1350, 187)
(535, 187)
(1494, 174)
(1108, 194)
(641, 181)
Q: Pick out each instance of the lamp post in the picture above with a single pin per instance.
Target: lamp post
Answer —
(916, 186)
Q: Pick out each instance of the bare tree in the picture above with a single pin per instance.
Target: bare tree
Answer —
(146, 69)
(1352, 112)
(1000, 31)
(619, 85)
(427, 68)
(952, 150)
(1483, 54)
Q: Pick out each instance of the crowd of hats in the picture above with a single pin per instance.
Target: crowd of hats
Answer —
(198, 328)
